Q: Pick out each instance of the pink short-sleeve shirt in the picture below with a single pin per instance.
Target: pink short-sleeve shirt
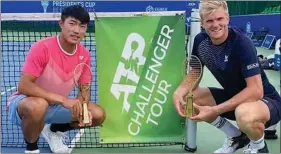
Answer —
(54, 67)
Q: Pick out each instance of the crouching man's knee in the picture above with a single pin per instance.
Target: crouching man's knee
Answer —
(252, 116)
(98, 115)
(33, 108)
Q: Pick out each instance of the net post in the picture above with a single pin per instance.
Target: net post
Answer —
(191, 126)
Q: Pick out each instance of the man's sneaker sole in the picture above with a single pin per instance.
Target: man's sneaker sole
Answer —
(33, 151)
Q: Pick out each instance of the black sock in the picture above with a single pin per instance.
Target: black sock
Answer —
(60, 127)
(31, 146)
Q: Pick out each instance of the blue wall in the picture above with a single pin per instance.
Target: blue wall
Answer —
(257, 21)
(100, 6)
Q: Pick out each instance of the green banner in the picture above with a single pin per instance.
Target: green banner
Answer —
(140, 64)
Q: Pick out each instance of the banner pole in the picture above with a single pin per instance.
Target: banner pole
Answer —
(191, 129)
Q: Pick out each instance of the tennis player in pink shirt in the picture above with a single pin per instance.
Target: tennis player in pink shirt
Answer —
(46, 82)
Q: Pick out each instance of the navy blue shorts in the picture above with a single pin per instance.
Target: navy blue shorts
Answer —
(273, 102)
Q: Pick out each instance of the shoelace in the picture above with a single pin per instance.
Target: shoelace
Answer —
(227, 143)
(230, 141)
(62, 136)
(65, 139)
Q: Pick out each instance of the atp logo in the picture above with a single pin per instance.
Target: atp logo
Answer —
(129, 74)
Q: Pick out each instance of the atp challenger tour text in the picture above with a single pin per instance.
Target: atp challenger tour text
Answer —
(135, 59)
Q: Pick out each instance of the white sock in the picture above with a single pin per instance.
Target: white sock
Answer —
(228, 128)
(259, 144)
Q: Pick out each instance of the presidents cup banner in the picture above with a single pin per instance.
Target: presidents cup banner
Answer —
(140, 62)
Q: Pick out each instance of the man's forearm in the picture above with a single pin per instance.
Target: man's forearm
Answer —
(246, 95)
(84, 93)
(186, 84)
(31, 89)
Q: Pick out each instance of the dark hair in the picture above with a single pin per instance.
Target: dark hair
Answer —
(77, 12)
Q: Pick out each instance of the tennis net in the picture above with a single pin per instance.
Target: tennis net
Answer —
(18, 32)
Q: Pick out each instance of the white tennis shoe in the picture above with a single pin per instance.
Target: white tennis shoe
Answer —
(231, 144)
(56, 140)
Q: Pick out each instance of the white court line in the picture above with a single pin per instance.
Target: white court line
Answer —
(2, 93)
(76, 138)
